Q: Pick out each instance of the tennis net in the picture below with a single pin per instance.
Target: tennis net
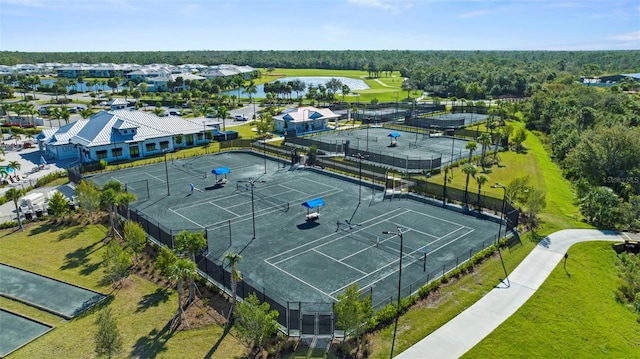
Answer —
(273, 200)
(386, 243)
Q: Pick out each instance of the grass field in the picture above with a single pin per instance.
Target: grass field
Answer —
(74, 255)
(560, 213)
(573, 316)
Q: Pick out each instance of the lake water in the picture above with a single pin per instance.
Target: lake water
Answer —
(354, 84)
(75, 86)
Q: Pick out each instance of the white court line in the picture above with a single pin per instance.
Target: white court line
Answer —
(438, 218)
(187, 218)
(411, 229)
(222, 208)
(405, 256)
(339, 261)
(321, 238)
(156, 178)
(293, 276)
(329, 242)
(451, 241)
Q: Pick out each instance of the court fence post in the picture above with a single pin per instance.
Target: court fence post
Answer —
(443, 269)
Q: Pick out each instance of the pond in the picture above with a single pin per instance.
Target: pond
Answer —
(74, 86)
(354, 84)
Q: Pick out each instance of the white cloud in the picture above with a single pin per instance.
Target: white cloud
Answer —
(565, 4)
(77, 4)
(629, 36)
(475, 13)
(383, 4)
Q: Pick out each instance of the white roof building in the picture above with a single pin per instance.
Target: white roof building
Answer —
(123, 135)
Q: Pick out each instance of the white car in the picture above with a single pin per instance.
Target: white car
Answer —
(240, 117)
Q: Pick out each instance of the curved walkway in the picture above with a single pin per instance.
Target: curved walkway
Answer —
(467, 329)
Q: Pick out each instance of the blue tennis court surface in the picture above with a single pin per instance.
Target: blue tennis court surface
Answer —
(17, 331)
(260, 213)
(48, 294)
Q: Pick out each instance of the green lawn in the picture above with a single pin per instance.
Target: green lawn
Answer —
(448, 302)
(560, 213)
(573, 316)
(74, 255)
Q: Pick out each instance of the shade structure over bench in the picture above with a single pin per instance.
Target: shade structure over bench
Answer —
(394, 138)
(311, 204)
(221, 171)
(394, 134)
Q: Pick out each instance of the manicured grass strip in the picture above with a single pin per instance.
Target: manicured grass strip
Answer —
(570, 316)
(442, 306)
(30, 312)
(74, 254)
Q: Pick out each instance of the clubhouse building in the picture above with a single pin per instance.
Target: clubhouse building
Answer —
(123, 135)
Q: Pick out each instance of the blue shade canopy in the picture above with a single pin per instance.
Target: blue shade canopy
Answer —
(313, 203)
(394, 134)
(221, 171)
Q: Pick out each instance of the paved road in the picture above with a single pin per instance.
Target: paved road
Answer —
(466, 330)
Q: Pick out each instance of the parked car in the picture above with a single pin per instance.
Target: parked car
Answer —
(240, 117)
(175, 113)
(210, 115)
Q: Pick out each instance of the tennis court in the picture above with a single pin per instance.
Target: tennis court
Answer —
(54, 296)
(18, 331)
(446, 120)
(289, 257)
(415, 145)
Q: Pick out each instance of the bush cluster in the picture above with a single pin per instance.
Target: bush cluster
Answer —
(387, 314)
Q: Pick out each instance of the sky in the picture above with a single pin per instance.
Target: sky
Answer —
(177, 25)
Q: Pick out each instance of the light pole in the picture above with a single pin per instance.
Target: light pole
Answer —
(166, 171)
(395, 329)
(360, 156)
(264, 153)
(253, 210)
(204, 136)
(504, 198)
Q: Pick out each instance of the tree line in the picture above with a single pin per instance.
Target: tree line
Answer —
(375, 61)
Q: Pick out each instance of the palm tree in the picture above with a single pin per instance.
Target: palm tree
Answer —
(15, 166)
(54, 114)
(233, 259)
(497, 135)
(223, 113)
(191, 244)
(470, 170)
(86, 113)
(182, 269)
(90, 85)
(485, 140)
(14, 194)
(251, 89)
(471, 146)
(65, 115)
(345, 91)
(481, 179)
(80, 81)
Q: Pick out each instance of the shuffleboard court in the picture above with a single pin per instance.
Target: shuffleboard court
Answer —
(289, 257)
(18, 331)
(48, 294)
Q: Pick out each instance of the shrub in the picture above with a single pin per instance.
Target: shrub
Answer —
(8, 224)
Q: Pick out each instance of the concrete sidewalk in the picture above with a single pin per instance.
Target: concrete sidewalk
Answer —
(466, 330)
